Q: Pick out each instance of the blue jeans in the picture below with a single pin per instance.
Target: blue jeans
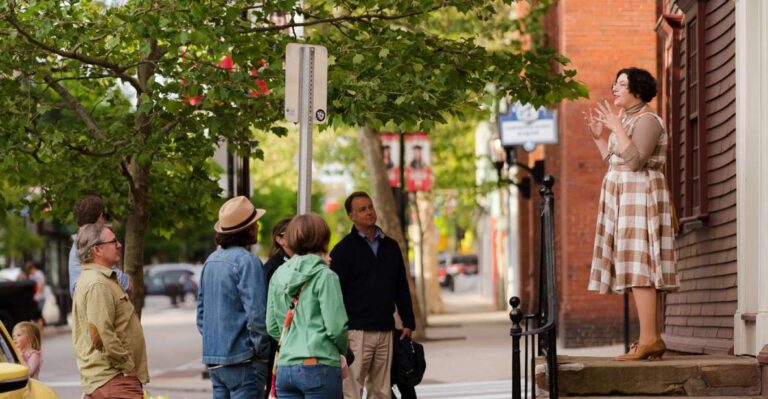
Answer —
(317, 382)
(240, 381)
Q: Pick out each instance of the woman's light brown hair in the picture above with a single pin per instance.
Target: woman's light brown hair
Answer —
(308, 233)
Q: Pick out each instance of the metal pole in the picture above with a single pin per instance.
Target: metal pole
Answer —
(231, 175)
(305, 129)
(245, 176)
(626, 322)
(402, 192)
(516, 315)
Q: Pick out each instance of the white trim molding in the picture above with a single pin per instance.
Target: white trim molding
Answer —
(751, 318)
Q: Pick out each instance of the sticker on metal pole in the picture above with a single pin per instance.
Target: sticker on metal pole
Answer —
(318, 82)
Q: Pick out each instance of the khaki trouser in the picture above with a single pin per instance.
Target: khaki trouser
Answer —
(373, 360)
(119, 387)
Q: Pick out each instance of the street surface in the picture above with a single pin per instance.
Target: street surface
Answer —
(467, 349)
(173, 347)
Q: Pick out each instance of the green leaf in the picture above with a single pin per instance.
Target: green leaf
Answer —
(357, 59)
(384, 53)
(146, 106)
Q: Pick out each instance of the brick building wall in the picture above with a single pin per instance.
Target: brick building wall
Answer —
(600, 38)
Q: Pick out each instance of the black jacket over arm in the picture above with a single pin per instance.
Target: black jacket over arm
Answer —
(372, 284)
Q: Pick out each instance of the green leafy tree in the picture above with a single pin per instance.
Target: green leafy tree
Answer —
(129, 101)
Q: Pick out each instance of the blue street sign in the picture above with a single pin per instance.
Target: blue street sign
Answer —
(527, 126)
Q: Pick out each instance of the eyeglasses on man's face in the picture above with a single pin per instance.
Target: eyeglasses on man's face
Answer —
(112, 241)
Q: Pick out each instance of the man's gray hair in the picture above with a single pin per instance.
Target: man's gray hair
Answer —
(89, 236)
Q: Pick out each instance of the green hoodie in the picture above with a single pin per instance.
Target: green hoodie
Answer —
(319, 328)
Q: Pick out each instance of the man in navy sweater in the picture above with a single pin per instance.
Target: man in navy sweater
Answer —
(372, 275)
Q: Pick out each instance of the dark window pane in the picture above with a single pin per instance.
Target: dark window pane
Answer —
(691, 36)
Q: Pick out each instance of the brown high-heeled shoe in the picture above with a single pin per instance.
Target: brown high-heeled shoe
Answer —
(653, 351)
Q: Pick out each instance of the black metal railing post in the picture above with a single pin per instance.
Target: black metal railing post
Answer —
(546, 316)
(516, 315)
(548, 263)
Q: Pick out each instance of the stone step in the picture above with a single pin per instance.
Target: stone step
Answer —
(682, 376)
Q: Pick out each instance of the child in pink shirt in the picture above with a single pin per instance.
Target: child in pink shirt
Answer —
(26, 337)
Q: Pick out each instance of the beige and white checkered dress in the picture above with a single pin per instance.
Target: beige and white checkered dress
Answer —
(634, 239)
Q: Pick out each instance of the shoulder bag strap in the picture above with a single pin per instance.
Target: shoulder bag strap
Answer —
(286, 324)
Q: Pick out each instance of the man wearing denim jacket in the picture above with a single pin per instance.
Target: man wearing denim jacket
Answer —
(231, 306)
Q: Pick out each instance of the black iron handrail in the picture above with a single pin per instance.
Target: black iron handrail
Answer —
(546, 316)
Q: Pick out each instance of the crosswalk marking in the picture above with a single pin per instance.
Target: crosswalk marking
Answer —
(499, 389)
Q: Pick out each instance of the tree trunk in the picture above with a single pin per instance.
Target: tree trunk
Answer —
(429, 239)
(136, 225)
(384, 201)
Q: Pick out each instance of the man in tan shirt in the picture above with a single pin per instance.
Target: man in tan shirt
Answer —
(107, 335)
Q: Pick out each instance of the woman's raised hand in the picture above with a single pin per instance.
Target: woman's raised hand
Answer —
(595, 126)
(608, 117)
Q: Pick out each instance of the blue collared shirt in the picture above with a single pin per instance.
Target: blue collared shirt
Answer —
(374, 243)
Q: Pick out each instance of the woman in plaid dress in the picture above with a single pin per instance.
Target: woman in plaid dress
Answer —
(635, 239)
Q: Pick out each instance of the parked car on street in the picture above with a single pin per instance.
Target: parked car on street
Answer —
(17, 302)
(14, 374)
(451, 265)
(174, 280)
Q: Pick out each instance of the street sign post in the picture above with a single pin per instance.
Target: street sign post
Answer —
(306, 88)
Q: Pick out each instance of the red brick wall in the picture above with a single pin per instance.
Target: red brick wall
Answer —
(600, 38)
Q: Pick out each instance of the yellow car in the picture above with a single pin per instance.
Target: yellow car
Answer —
(14, 374)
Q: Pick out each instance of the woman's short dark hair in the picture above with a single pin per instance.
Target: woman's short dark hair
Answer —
(243, 238)
(277, 230)
(641, 83)
(308, 233)
(88, 209)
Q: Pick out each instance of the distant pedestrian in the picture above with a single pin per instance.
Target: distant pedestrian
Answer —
(278, 254)
(231, 305)
(305, 313)
(107, 335)
(635, 235)
(372, 274)
(32, 271)
(90, 209)
(26, 337)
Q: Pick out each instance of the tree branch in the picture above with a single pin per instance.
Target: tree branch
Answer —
(32, 153)
(344, 18)
(74, 55)
(84, 77)
(76, 107)
(85, 151)
(127, 174)
(171, 125)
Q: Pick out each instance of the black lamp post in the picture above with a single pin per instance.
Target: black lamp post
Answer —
(505, 155)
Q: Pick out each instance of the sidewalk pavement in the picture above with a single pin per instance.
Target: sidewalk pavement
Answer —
(469, 343)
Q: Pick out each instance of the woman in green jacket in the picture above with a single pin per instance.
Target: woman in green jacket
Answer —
(309, 361)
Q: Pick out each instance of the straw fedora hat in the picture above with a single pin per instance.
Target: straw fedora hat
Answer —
(236, 215)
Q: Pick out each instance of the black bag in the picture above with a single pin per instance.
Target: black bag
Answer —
(408, 364)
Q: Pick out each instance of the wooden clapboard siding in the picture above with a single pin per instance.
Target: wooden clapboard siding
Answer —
(699, 316)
